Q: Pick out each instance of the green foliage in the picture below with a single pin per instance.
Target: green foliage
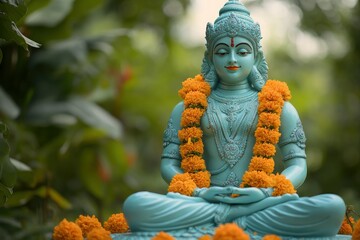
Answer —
(77, 109)
(11, 12)
(7, 169)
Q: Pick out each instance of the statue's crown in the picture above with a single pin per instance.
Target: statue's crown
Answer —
(234, 20)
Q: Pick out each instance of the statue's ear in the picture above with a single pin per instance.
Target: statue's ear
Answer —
(261, 64)
(208, 70)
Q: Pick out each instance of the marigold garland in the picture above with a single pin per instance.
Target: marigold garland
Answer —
(271, 98)
(117, 223)
(194, 93)
(230, 231)
(87, 223)
(66, 230)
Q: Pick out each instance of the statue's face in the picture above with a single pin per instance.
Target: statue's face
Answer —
(233, 59)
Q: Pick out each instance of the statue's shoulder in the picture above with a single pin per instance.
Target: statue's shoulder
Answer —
(176, 113)
(177, 110)
(290, 123)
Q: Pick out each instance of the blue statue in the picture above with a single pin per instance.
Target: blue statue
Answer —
(235, 70)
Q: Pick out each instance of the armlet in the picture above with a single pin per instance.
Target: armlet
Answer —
(170, 134)
(297, 136)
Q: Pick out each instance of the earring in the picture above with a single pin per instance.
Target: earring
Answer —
(208, 71)
(256, 79)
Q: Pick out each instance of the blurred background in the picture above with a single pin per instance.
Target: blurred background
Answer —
(87, 87)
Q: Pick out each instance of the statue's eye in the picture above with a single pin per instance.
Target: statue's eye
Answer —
(221, 52)
(243, 52)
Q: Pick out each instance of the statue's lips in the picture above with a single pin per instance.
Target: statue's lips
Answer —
(232, 68)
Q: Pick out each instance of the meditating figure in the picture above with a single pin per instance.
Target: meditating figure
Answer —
(220, 143)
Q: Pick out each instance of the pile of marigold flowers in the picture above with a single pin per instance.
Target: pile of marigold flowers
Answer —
(89, 227)
(350, 227)
(229, 231)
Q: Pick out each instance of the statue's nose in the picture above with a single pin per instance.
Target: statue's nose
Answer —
(232, 59)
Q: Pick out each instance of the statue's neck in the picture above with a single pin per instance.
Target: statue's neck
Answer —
(239, 89)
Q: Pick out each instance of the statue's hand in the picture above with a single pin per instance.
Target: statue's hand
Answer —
(232, 195)
(246, 195)
(213, 194)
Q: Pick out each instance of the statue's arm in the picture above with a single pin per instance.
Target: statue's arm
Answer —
(292, 145)
(170, 158)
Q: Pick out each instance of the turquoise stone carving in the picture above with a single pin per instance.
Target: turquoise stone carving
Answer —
(236, 69)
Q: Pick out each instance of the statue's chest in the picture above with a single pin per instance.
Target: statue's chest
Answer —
(230, 123)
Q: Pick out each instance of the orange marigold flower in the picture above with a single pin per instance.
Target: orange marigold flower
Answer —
(181, 177)
(270, 106)
(194, 133)
(257, 179)
(267, 135)
(191, 117)
(117, 223)
(264, 149)
(201, 179)
(356, 233)
(66, 230)
(230, 231)
(195, 84)
(163, 236)
(99, 234)
(280, 87)
(182, 183)
(87, 223)
(262, 164)
(269, 120)
(193, 164)
(191, 149)
(271, 237)
(269, 95)
(195, 99)
(346, 228)
(282, 185)
(205, 237)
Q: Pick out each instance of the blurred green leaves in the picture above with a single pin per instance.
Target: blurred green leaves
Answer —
(7, 169)
(51, 15)
(11, 12)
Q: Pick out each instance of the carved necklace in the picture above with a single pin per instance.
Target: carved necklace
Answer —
(231, 137)
(195, 92)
